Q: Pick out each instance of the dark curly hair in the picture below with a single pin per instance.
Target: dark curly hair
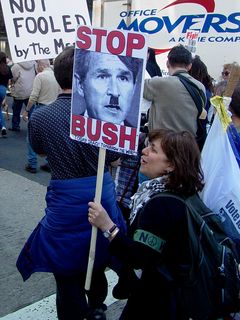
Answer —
(199, 71)
(182, 151)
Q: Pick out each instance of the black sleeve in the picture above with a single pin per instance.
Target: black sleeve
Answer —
(163, 217)
(10, 73)
(33, 135)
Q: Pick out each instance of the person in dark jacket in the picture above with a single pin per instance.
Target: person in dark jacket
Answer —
(60, 242)
(152, 67)
(158, 233)
(5, 76)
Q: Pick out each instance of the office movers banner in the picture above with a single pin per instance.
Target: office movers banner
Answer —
(168, 22)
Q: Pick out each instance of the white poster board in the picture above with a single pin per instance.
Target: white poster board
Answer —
(108, 73)
(191, 40)
(40, 29)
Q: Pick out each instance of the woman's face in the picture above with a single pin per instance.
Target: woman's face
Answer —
(154, 162)
(225, 74)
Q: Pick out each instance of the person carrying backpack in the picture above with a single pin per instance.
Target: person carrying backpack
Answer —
(158, 229)
(160, 246)
(177, 101)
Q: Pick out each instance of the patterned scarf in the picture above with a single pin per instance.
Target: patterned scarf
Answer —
(145, 191)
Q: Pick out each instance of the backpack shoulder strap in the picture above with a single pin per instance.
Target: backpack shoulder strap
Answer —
(195, 208)
(168, 194)
(196, 94)
(194, 243)
(190, 202)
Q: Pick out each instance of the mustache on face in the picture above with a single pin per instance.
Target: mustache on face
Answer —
(114, 101)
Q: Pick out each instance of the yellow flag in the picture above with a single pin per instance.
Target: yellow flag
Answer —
(218, 103)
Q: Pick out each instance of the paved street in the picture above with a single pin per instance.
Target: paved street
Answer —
(13, 153)
(22, 203)
(22, 206)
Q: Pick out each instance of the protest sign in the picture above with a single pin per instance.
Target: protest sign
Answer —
(191, 40)
(107, 88)
(40, 29)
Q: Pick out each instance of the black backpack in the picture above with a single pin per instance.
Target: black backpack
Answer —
(210, 287)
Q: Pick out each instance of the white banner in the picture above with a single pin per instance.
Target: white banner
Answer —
(221, 192)
(168, 21)
(40, 29)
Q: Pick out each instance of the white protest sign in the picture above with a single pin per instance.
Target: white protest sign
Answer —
(40, 29)
(108, 77)
(191, 40)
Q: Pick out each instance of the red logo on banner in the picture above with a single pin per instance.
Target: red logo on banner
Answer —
(209, 5)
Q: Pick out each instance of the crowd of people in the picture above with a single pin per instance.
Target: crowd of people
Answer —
(168, 159)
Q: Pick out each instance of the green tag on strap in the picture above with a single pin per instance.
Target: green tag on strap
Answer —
(149, 239)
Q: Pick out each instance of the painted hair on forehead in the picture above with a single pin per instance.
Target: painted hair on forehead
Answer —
(182, 151)
(82, 61)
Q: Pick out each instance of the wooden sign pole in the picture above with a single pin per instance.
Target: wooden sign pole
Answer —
(98, 195)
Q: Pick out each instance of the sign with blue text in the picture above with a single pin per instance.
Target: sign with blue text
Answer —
(168, 23)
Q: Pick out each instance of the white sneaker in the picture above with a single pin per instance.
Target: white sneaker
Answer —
(4, 131)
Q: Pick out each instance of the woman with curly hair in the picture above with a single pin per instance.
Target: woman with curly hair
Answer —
(171, 161)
